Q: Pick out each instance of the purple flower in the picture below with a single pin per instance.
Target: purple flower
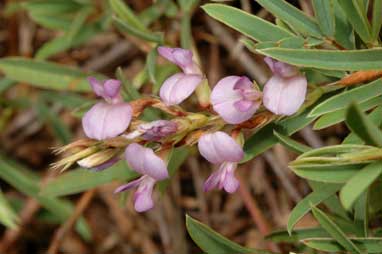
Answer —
(144, 161)
(180, 86)
(285, 92)
(143, 196)
(235, 99)
(182, 58)
(220, 148)
(156, 130)
(110, 118)
(223, 178)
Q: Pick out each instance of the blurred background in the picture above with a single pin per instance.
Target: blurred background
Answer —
(44, 112)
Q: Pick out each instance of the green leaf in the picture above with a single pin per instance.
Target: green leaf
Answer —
(151, 65)
(80, 180)
(338, 116)
(375, 117)
(245, 23)
(344, 32)
(8, 217)
(187, 5)
(127, 86)
(61, 43)
(156, 10)
(51, 22)
(326, 173)
(366, 245)
(334, 230)
(26, 182)
(359, 183)
(292, 16)
(212, 242)
(340, 101)
(360, 124)
(59, 128)
(264, 138)
(377, 19)
(304, 206)
(127, 15)
(291, 144)
(296, 235)
(348, 60)
(147, 36)
(185, 31)
(357, 18)
(42, 7)
(44, 74)
(5, 84)
(323, 10)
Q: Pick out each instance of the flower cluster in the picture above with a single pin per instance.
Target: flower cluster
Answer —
(235, 99)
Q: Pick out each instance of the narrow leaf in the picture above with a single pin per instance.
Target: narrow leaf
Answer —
(304, 206)
(259, 29)
(44, 74)
(348, 60)
(360, 124)
(367, 245)
(292, 16)
(357, 18)
(340, 101)
(291, 144)
(212, 242)
(334, 230)
(359, 183)
(338, 116)
(324, 12)
(377, 18)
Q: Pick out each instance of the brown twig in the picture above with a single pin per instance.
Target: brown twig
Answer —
(65, 228)
(255, 212)
(280, 173)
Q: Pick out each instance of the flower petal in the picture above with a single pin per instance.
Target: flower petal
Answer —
(219, 147)
(143, 196)
(179, 87)
(143, 160)
(128, 186)
(179, 56)
(212, 181)
(227, 148)
(281, 69)
(284, 96)
(112, 88)
(230, 183)
(225, 96)
(105, 120)
(96, 86)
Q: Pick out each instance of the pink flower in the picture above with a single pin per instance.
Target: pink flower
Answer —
(223, 178)
(182, 58)
(235, 99)
(220, 148)
(143, 196)
(110, 118)
(156, 130)
(144, 161)
(180, 86)
(285, 92)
